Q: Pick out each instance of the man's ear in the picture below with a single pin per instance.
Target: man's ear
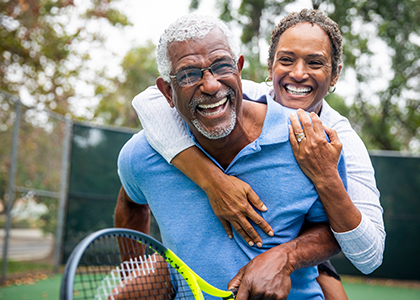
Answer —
(241, 60)
(166, 89)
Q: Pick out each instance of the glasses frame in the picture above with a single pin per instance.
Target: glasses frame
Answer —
(210, 68)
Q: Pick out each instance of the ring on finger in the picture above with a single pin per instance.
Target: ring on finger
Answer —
(300, 137)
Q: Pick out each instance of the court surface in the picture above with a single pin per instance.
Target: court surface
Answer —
(49, 288)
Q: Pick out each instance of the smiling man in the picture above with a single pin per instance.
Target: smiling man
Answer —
(201, 78)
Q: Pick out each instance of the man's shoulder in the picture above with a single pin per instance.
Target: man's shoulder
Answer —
(137, 150)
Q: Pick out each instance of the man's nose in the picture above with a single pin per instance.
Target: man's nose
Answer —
(209, 83)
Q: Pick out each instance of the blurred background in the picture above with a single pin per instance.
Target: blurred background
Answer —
(70, 68)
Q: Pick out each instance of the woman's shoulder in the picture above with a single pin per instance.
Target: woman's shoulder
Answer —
(332, 118)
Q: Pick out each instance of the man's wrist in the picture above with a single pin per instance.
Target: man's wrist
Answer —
(315, 245)
(286, 253)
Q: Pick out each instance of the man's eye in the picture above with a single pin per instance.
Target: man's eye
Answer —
(223, 67)
(188, 75)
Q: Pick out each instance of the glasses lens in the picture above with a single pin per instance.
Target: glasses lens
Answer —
(188, 77)
(224, 67)
(191, 76)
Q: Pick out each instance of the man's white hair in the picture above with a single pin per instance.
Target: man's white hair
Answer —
(189, 27)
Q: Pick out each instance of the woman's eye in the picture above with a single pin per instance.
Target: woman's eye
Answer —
(285, 60)
(315, 63)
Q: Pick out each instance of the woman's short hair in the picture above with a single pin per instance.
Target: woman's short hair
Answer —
(312, 16)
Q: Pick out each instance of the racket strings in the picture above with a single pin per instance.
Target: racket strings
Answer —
(122, 268)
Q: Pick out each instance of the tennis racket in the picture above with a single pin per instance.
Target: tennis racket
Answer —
(118, 263)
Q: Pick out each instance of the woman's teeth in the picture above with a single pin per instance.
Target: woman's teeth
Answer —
(298, 91)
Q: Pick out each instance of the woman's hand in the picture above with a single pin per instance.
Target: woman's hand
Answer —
(317, 157)
(231, 201)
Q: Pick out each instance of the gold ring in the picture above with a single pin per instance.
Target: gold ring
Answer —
(300, 137)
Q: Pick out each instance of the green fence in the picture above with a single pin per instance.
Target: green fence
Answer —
(94, 187)
(398, 179)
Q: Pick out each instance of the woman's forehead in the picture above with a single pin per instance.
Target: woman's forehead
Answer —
(305, 35)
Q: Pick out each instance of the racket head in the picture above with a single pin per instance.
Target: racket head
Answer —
(118, 263)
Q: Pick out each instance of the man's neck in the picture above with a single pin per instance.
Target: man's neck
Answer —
(247, 129)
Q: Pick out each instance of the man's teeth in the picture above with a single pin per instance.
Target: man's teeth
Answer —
(213, 105)
(298, 91)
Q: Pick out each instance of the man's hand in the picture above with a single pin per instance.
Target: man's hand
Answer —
(231, 201)
(267, 276)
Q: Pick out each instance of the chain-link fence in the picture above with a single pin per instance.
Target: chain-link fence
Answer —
(33, 180)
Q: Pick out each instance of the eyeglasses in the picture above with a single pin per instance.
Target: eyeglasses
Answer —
(191, 76)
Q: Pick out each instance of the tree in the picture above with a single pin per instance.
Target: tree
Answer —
(44, 52)
(386, 117)
(139, 72)
(43, 46)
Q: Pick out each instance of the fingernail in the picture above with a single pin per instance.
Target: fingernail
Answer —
(270, 233)
(251, 243)
(259, 244)
(264, 208)
(230, 236)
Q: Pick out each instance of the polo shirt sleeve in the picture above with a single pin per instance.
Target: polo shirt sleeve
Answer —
(128, 180)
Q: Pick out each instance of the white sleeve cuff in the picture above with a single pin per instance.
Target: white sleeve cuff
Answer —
(361, 246)
(165, 131)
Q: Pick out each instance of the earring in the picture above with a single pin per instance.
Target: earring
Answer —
(267, 83)
(331, 90)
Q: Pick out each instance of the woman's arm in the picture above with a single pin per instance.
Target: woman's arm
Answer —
(318, 159)
(229, 197)
(356, 216)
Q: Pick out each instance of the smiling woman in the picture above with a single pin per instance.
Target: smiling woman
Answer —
(301, 67)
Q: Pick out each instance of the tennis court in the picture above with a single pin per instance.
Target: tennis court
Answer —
(357, 289)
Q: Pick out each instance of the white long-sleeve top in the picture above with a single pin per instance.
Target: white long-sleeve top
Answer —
(363, 246)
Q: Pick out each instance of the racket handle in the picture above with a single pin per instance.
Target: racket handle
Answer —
(233, 296)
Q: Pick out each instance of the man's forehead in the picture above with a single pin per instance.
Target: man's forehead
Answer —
(215, 44)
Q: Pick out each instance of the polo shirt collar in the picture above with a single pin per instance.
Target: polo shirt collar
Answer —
(275, 129)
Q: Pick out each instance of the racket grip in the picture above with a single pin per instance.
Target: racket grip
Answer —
(233, 296)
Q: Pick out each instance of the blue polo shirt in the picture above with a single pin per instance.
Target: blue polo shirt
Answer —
(188, 224)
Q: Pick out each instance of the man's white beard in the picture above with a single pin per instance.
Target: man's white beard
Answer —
(217, 133)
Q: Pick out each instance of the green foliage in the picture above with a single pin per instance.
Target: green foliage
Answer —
(41, 53)
(140, 71)
(392, 123)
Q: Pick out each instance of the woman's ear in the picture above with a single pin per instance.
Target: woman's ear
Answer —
(166, 89)
(335, 78)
